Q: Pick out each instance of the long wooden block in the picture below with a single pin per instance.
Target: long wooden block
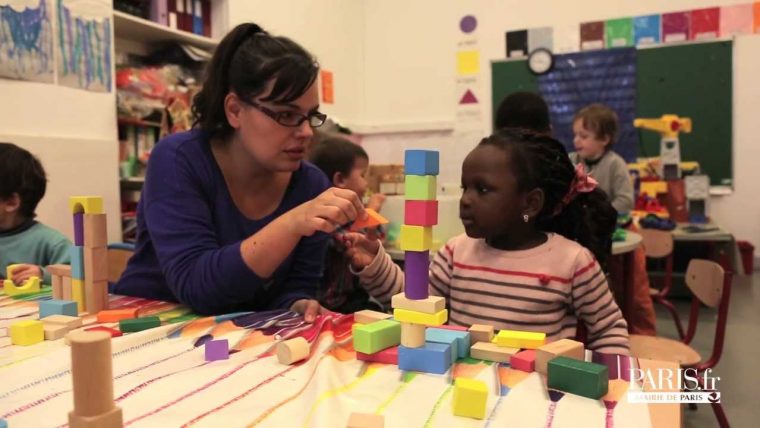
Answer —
(374, 337)
(66, 288)
(54, 331)
(431, 320)
(430, 305)
(86, 204)
(563, 347)
(520, 339)
(491, 352)
(77, 293)
(95, 231)
(415, 238)
(61, 270)
(138, 324)
(68, 321)
(57, 283)
(460, 340)
(416, 274)
(481, 333)
(432, 358)
(386, 356)
(578, 377)
(293, 350)
(96, 295)
(77, 262)
(365, 420)
(96, 263)
(368, 316)
(116, 315)
(79, 229)
(412, 335)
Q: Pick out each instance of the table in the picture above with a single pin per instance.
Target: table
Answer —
(721, 243)
(162, 379)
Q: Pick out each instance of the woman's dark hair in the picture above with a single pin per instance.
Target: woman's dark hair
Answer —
(21, 172)
(523, 110)
(335, 154)
(541, 162)
(245, 61)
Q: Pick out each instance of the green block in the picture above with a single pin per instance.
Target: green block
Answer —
(376, 336)
(578, 377)
(420, 187)
(138, 324)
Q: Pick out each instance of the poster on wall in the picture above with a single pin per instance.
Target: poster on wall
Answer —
(646, 30)
(675, 26)
(84, 44)
(26, 40)
(705, 24)
(736, 20)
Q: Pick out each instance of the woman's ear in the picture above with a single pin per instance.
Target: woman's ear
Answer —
(233, 109)
(533, 202)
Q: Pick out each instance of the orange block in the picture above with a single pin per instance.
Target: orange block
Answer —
(757, 17)
(373, 220)
(114, 315)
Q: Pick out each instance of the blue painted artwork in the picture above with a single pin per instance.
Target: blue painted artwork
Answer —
(84, 44)
(26, 41)
(646, 30)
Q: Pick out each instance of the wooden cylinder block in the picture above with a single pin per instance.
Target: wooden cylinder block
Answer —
(92, 374)
(412, 335)
(293, 350)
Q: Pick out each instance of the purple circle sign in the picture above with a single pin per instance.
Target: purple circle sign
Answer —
(468, 24)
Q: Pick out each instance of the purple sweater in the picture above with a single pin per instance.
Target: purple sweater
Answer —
(189, 233)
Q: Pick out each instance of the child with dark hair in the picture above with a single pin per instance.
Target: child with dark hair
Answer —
(528, 260)
(230, 217)
(23, 240)
(524, 110)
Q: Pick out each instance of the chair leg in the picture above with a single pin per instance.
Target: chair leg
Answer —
(720, 415)
(674, 313)
(692, 406)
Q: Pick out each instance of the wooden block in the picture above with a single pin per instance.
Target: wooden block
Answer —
(293, 350)
(367, 316)
(438, 318)
(421, 162)
(96, 263)
(420, 187)
(77, 293)
(578, 377)
(86, 204)
(69, 321)
(365, 420)
(138, 324)
(491, 352)
(524, 360)
(58, 307)
(77, 262)
(66, 285)
(459, 340)
(386, 356)
(31, 285)
(376, 336)
(54, 331)
(432, 358)
(412, 335)
(421, 213)
(215, 350)
(115, 315)
(79, 229)
(452, 327)
(429, 305)
(481, 333)
(415, 238)
(520, 339)
(92, 375)
(57, 283)
(96, 295)
(60, 270)
(111, 331)
(470, 398)
(563, 347)
(373, 220)
(27, 332)
(95, 231)
(416, 274)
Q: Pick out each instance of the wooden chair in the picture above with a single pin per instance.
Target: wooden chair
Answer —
(711, 286)
(658, 244)
(118, 256)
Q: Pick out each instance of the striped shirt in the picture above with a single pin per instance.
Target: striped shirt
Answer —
(545, 289)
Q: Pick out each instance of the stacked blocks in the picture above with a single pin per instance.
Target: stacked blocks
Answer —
(215, 350)
(470, 398)
(60, 276)
(58, 307)
(374, 337)
(89, 260)
(416, 265)
(31, 285)
(578, 377)
(459, 340)
(26, 333)
(422, 318)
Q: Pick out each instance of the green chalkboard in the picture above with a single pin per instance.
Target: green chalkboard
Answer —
(691, 80)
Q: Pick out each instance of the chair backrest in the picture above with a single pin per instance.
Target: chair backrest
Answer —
(657, 243)
(705, 279)
(118, 256)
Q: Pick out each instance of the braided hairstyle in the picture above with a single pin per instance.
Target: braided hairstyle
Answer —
(540, 161)
(245, 61)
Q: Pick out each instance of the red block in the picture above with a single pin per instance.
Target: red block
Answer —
(386, 356)
(524, 360)
(452, 327)
(421, 213)
(112, 332)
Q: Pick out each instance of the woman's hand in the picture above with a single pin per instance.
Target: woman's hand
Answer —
(360, 249)
(309, 308)
(376, 201)
(325, 213)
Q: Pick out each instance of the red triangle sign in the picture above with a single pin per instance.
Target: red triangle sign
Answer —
(468, 98)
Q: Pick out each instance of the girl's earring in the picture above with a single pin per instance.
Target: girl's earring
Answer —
(526, 218)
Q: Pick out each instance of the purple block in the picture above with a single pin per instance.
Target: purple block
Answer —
(217, 350)
(79, 229)
(416, 265)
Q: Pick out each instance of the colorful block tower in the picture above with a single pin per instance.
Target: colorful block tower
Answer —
(89, 257)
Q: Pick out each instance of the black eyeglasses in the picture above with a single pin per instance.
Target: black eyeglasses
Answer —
(290, 118)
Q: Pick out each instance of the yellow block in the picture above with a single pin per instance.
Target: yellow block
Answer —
(470, 398)
(86, 204)
(77, 293)
(468, 62)
(653, 188)
(27, 332)
(31, 285)
(415, 238)
(412, 317)
(520, 339)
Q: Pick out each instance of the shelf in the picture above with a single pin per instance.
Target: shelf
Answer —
(128, 27)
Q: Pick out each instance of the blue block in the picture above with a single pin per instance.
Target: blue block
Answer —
(58, 307)
(459, 340)
(421, 162)
(77, 262)
(3, 423)
(431, 358)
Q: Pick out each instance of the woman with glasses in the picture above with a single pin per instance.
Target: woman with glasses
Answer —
(230, 217)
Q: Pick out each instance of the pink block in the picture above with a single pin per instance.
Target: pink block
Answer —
(452, 327)
(524, 360)
(386, 356)
(421, 213)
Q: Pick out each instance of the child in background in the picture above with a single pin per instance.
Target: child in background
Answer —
(345, 165)
(523, 110)
(528, 260)
(23, 240)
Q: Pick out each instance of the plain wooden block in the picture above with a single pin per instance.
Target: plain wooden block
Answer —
(491, 352)
(431, 320)
(27, 332)
(96, 295)
(420, 187)
(578, 377)
(412, 335)
(421, 213)
(365, 420)
(77, 262)
(368, 316)
(293, 350)
(54, 331)
(563, 347)
(66, 285)
(96, 263)
(86, 204)
(481, 333)
(57, 283)
(60, 270)
(415, 238)
(430, 305)
(520, 339)
(376, 336)
(116, 315)
(68, 321)
(470, 398)
(95, 231)
(421, 162)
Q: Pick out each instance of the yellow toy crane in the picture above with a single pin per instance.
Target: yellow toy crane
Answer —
(669, 126)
